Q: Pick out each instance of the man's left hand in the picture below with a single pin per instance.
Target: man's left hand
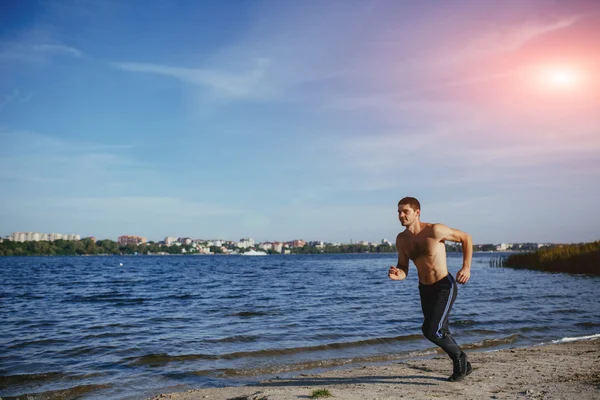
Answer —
(463, 275)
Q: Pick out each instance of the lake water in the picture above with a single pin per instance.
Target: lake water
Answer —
(88, 327)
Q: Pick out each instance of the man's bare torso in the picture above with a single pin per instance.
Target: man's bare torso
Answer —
(427, 252)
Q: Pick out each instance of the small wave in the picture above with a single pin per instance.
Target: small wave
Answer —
(274, 369)
(526, 329)
(163, 358)
(117, 325)
(509, 298)
(86, 351)
(236, 339)
(41, 342)
(126, 302)
(181, 296)
(40, 378)
(36, 324)
(553, 296)
(28, 296)
(234, 296)
(114, 297)
(484, 344)
(588, 324)
(482, 332)
(75, 392)
(30, 378)
(464, 322)
(169, 319)
(575, 339)
(106, 335)
(248, 314)
(158, 359)
(567, 311)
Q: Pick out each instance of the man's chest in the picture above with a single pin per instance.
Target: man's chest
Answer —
(420, 247)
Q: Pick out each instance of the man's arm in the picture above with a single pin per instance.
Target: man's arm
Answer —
(400, 271)
(442, 232)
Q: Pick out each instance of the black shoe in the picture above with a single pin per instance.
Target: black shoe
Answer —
(462, 368)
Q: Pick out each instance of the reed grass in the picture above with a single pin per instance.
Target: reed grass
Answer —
(583, 258)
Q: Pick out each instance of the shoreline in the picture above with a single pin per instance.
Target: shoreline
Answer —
(565, 370)
(231, 254)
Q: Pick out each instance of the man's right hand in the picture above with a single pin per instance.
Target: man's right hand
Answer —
(396, 274)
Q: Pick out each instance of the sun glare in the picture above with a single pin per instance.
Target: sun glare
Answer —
(560, 78)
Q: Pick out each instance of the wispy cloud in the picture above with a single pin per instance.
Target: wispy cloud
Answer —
(58, 49)
(15, 96)
(37, 52)
(27, 142)
(494, 41)
(513, 38)
(459, 151)
(223, 83)
(148, 206)
(46, 159)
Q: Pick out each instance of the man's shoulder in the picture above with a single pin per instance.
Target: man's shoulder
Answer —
(401, 239)
(401, 235)
(437, 227)
(440, 231)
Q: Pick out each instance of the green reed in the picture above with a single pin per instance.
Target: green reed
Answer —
(582, 258)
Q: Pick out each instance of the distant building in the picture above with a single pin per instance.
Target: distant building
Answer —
(126, 239)
(266, 245)
(169, 240)
(38, 236)
(298, 243)
(245, 243)
(386, 242)
(277, 246)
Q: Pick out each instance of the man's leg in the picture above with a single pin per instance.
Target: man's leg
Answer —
(437, 300)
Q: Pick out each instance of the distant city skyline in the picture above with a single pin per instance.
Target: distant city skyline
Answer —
(282, 120)
(249, 241)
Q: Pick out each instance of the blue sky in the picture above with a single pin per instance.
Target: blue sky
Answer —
(282, 120)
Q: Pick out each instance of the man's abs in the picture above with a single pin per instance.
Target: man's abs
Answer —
(430, 271)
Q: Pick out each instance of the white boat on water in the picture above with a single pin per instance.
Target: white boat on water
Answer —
(254, 253)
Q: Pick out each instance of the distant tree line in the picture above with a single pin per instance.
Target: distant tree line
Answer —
(344, 248)
(87, 247)
(108, 247)
(583, 258)
(514, 247)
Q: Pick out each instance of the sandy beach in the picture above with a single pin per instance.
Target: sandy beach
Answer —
(555, 371)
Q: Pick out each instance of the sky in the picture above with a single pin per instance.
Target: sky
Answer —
(281, 120)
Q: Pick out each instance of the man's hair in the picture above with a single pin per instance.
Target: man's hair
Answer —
(411, 201)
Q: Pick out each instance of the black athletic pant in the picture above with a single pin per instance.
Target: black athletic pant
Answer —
(436, 301)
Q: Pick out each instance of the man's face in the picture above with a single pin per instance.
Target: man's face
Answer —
(407, 215)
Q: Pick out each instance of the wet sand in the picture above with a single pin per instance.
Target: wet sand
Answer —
(556, 371)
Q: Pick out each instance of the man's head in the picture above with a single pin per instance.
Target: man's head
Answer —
(409, 210)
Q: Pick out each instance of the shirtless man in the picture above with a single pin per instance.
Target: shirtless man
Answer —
(423, 243)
